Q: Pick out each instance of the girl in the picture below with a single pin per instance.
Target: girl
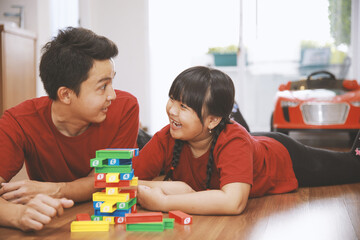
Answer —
(216, 165)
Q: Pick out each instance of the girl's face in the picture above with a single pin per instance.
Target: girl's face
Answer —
(184, 122)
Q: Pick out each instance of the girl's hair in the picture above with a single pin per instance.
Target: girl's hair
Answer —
(208, 92)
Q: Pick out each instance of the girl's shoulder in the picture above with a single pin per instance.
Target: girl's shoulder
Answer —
(234, 129)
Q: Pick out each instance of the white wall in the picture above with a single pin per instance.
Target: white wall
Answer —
(126, 23)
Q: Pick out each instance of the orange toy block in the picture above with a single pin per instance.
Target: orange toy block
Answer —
(83, 217)
(181, 217)
(143, 217)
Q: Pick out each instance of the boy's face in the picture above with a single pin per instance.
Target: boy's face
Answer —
(96, 93)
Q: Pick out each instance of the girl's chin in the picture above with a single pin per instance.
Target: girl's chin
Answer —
(174, 134)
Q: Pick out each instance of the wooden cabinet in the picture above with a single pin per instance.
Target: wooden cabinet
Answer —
(17, 66)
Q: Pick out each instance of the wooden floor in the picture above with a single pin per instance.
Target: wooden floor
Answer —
(329, 213)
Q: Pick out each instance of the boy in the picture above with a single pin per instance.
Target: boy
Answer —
(57, 135)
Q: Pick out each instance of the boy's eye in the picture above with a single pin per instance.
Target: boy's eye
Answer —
(103, 87)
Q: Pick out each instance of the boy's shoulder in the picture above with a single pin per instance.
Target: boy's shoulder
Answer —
(30, 107)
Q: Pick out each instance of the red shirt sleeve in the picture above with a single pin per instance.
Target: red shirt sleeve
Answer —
(11, 146)
(234, 158)
(127, 121)
(155, 156)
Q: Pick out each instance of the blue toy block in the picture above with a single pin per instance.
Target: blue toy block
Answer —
(127, 176)
(97, 204)
(116, 213)
(118, 161)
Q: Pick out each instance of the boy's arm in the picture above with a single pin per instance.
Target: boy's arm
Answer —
(34, 215)
(230, 200)
(23, 191)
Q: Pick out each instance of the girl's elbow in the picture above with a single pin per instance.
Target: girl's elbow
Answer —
(237, 209)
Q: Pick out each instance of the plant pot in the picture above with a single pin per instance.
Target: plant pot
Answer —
(225, 59)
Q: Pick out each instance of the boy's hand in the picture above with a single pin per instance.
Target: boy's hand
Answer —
(39, 211)
(21, 192)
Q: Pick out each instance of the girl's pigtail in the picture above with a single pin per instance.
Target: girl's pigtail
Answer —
(176, 156)
(217, 130)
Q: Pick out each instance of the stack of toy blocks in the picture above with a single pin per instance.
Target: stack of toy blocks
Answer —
(114, 173)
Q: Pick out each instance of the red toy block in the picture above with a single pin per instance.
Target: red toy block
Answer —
(119, 220)
(100, 177)
(133, 209)
(132, 192)
(143, 217)
(83, 217)
(181, 217)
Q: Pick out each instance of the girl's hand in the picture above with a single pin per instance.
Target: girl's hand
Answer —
(151, 198)
(39, 211)
(21, 192)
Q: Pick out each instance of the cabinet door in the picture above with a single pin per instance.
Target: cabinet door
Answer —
(18, 69)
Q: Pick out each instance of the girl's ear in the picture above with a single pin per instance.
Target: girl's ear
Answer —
(213, 121)
(64, 95)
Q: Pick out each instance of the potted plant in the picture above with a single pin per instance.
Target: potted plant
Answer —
(224, 56)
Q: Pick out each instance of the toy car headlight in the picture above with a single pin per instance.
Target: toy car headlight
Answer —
(356, 103)
(289, 104)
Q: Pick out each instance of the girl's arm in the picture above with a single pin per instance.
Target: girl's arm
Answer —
(231, 199)
(168, 187)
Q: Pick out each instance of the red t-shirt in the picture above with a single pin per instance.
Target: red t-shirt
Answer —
(238, 157)
(28, 134)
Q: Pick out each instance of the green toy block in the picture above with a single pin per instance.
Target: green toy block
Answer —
(145, 227)
(168, 223)
(96, 218)
(126, 205)
(115, 153)
(114, 169)
(98, 162)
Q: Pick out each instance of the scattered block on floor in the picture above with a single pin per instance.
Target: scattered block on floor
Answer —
(180, 217)
(143, 217)
(89, 226)
(146, 227)
(168, 223)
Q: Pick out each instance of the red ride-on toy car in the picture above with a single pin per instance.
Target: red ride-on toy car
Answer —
(317, 104)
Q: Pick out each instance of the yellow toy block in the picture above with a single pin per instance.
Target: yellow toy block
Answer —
(108, 207)
(112, 190)
(134, 181)
(112, 177)
(120, 197)
(110, 220)
(89, 226)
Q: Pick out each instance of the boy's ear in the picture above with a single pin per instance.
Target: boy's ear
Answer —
(213, 121)
(64, 95)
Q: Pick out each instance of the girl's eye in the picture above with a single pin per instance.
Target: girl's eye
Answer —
(183, 106)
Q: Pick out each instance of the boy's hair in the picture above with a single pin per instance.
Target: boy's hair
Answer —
(68, 58)
(208, 92)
